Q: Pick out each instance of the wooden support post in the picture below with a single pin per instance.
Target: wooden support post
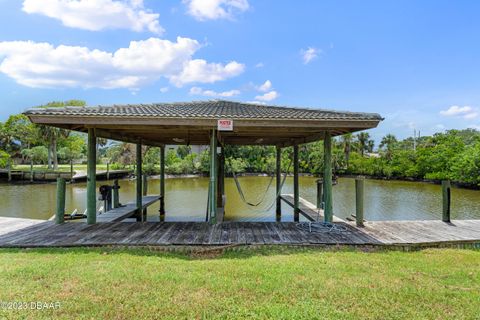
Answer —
(278, 181)
(31, 170)
(59, 213)
(139, 182)
(296, 190)
(162, 183)
(446, 197)
(359, 200)
(108, 169)
(212, 201)
(9, 167)
(221, 179)
(319, 193)
(327, 177)
(116, 194)
(144, 191)
(71, 170)
(91, 177)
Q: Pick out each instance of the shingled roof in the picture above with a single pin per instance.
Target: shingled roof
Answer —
(196, 118)
(206, 109)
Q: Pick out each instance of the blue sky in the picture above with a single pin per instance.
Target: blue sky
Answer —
(417, 63)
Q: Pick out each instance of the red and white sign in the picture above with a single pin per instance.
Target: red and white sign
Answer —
(225, 125)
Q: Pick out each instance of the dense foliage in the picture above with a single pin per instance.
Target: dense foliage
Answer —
(453, 155)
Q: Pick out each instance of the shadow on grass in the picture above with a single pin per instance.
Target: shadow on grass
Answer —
(199, 253)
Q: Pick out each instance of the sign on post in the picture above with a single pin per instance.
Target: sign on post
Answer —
(225, 125)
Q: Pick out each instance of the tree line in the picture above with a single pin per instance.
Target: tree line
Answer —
(454, 154)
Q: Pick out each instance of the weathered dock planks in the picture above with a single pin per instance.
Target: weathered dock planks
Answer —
(307, 209)
(121, 213)
(35, 233)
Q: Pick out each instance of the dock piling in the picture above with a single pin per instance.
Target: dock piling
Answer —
(319, 193)
(59, 213)
(359, 199)
(278, 173)
(144, 191)
(296, 189)
(116, 195)
(162, 183)
(446, 197)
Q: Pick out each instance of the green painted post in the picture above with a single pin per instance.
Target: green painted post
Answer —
(31, 170)
(91, 177)
(446, 197)
(59, 213)
(139, 182)
(71, 170)
(144, 192)
(327, 177)
(213, 178)
(9, 166)
(116, 194)
(162, 183)
(108, 170)
(319, 193)
(359, 200)
(278, 181)
(220, 178)
(296, 195)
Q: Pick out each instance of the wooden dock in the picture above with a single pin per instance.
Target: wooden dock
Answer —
(15, 232)
(307, 209)
(127, 211)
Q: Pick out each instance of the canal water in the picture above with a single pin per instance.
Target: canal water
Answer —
(186, 199)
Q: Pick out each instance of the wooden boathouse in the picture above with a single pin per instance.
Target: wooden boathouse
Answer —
(217, 124)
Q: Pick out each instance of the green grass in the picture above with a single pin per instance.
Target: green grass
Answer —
(281, 283)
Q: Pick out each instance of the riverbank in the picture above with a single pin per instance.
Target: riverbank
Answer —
(264, 283)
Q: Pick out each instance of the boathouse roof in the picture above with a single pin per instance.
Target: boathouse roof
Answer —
(191, 122)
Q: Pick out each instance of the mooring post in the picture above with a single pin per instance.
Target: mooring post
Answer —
(71, 170)
(319, 193)
(213, 178)
(221, 179)
(446, 196)
(144, 192)
(327, 177)
(139, 182)
(116, 194)
(278, 181)
(162, 183)
(296, 189)
(91, 177)
(31, 169)
(359, 199)
(59, 213)
(9, 168)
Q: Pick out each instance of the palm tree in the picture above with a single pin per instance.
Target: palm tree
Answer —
(51, 136)
(363, 138)
(347, 146)
(388, 143)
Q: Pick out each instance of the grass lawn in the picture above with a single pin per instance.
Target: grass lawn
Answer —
(279, 283)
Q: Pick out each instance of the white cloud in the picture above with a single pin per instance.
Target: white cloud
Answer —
(465, 112)
(309, 54)
(215, 9)
(164, 89)
(95, 15)
(260, 65)
(199, 70)
(257, 102)
(269, 96)
(267, 85)
(43, 65)
(214, 94)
